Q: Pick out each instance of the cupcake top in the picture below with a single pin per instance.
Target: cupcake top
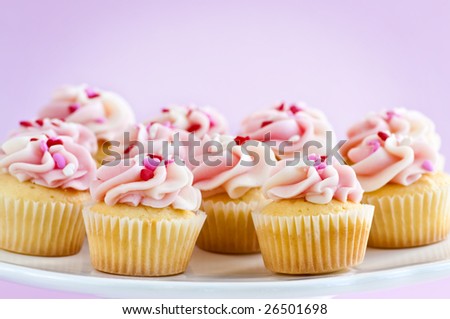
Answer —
(296, 123)
(56, 127)
(398, 121)
(148, 181)
(193, 119)
(233, 166)
(53, 162)
(318, 184)
(384, 158)
(105, 113)
(153, 138)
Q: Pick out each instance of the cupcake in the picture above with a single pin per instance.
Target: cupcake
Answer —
(291, 130)
(193, 119)
(104, 113)
(56, 127)
(230, 175)
(44, 185)
(411, 195)
(316, 223)
(145, 218)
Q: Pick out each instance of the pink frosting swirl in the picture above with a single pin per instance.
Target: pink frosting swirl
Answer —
(55, 162)
(148, 182)
(105, 113)
(317, 184)
(153, 138)
(233, 168)
(296, 123)
(56, 127)
(193, 119)
(388, 158)
(399, 121)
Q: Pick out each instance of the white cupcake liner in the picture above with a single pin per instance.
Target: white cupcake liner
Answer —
(313, 244)
(229, 227)
(410, 220)
(40, 228)
(141, 247)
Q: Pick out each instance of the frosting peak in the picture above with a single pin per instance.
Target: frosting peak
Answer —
(54, 162)
(233, 166)
(296, 123)
(148, 181)
(103, 112)
(317, 184)
(399, 121)
(56, 127)
(193, 119)
(384, 157)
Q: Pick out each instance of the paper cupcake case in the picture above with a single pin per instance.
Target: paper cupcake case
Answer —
(411, 220)
(229, 228)
(140, 247)
(49, 229)
(313, 244)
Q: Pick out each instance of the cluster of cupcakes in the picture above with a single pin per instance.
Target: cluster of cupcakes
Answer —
(146, 193)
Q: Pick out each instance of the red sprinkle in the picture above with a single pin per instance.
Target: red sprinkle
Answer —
(280, 107)
(146, 174)
(40, 122)
(194, 127)
(51, 142)
(165, 110)
(265, 123)
(25, 124)
(384, 136)
(240, 140)
(323, 158)
(295, 109)
(33, 139)
(91, 94)
(128, 149)
(73, 107)
(153, 156)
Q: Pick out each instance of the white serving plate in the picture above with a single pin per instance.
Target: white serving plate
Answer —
(230, 276)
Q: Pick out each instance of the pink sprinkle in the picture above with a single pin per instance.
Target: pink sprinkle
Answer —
(321, 166)
(168, 124)
(428, 165)
(384, 136)
(73, 107)
(375, 145)
(151, 163)
(60, 161)
(390, 115)
(43, 146)
(100, 120)
(312, 157)
(91, 93)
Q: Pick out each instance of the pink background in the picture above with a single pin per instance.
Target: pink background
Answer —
(345, 57)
